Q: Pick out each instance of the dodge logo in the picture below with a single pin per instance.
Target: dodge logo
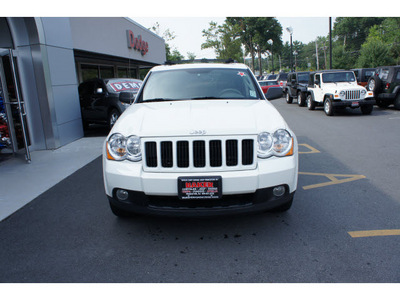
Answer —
(198, 132)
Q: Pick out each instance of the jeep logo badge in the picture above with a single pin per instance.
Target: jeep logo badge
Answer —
(198, 132)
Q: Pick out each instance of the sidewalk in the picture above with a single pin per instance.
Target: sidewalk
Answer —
(21, 182)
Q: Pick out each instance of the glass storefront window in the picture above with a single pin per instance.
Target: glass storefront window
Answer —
(106, 72)
(89, 72)
(122, 72)
(126, 73)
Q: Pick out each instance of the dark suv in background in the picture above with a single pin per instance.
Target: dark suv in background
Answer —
(363, 75)
(385, 84)
(104, 100)
(296, 87)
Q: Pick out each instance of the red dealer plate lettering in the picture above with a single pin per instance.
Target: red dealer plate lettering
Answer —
(200, 187)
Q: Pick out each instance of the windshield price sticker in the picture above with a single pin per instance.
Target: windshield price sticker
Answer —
(200, 187)
(124, 86)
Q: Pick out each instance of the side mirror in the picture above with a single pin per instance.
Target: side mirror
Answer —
(274, 93)
(99, 91)
(127, 97)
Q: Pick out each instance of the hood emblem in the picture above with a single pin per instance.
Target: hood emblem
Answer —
(198, 132)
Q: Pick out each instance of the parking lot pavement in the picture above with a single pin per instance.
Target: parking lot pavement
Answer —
(22, 182)
(341, 228)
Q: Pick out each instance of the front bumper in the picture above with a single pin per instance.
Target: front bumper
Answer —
(243, 191)
(353, 103)
(261, 200)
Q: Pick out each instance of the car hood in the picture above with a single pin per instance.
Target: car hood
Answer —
(199, 117)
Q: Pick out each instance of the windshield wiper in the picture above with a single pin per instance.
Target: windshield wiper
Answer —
(205, 97)
(157, 100)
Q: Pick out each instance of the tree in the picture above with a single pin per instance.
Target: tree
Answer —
(350, 33)
(175, 56)
(167, 35)
(224, 40)
(375, 53)
(191, 56)
(267, 29)
(387, 32)
(254, 34)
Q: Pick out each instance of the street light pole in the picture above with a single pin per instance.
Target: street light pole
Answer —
(271, 42)
(330, 43)
(290, 30)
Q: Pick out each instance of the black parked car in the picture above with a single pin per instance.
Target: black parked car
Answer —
(363, 75)
(385, 84)
(296, 87)
(104, 100)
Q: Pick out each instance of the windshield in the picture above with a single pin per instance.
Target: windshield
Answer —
(283, 76)
(200, 83)
(338, 77)
(303, 78)
(123, 85)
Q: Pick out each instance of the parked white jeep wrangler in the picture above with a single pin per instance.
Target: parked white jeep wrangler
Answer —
(338, 89)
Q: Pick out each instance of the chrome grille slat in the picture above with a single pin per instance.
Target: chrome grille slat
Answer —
(353, 95)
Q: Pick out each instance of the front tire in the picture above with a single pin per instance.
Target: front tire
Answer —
(310, 103)
(328, 107)
(113, 117)
(289, 99)
(300, 98)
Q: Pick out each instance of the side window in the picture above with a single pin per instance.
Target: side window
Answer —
(398, 75)
(318, 78)
(384, 74)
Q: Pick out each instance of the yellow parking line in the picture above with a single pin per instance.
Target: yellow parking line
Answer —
(332, 178)
(312, 149)
(369, 233)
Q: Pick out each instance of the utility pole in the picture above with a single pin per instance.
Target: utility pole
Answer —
(316, 53)
(330, 43)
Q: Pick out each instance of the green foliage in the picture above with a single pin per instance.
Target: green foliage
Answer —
(375, 53)
(224, 40)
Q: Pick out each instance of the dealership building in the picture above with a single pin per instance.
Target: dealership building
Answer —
(42, 62)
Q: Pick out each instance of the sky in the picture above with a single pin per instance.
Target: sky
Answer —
(188, 30)
(308, 18)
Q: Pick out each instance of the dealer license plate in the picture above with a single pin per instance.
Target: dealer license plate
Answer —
(354, 104)
(208, 187)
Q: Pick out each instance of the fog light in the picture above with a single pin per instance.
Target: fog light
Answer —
(122, 195)
(279, 191)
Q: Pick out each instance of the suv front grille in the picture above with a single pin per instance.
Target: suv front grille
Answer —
(352, 95)
(198, 155)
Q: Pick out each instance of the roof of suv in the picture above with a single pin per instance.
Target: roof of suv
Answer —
(200, 66)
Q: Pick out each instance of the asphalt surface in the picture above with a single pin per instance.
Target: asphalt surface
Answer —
(68, 234)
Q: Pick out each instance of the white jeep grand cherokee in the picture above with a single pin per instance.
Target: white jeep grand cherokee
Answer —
(200, 139)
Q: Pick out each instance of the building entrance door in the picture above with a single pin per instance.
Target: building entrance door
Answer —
(13, 129)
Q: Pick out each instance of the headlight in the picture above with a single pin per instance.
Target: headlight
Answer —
(265, 142)
(342, 94)
(282, 142)
(363, 92)
(120, 148)
(116, 146)
(279, 144)
(133, 148)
